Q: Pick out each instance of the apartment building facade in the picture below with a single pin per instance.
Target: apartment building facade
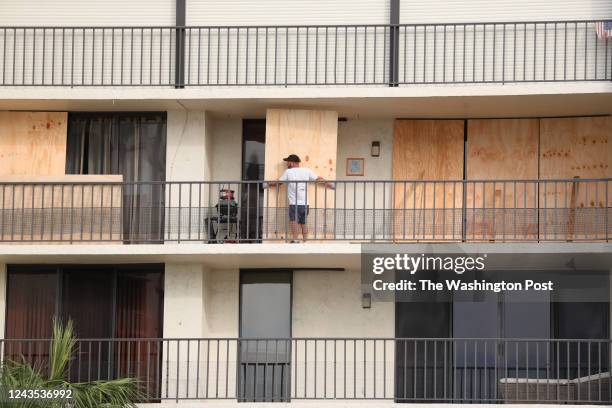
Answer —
(140, 146)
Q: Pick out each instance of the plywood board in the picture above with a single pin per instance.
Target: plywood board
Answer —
(428, 150)
(33, 143)
(312, 135)
(67, 209)
(502, 150)
(575, 149)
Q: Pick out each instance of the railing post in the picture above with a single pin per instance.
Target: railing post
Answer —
(394, 43)
(179, 49)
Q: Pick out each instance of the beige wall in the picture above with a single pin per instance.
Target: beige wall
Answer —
(184, 300)
(188, 146)
(355, 137)
(221, 303)
(328, 304)
(199, 303)
(226, 148)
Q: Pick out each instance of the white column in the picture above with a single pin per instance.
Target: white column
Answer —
(200, 305)
(187, 146)
(183, 300)
(183, 319)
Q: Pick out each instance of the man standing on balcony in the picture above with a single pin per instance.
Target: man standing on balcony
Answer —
(297, 179)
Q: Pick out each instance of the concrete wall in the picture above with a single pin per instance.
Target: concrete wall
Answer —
(87, 13)
(188, 146)
(221, 303)
(184, 300)
(205, 303)
(200, 303)
(420, 11)
(226, 154)
(355, 137)
(327, 304)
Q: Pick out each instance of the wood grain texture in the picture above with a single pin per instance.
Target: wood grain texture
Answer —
(502, 149)
(33, 143)
(574, 148)
(313, 136)
(71, 209)
(428, 150)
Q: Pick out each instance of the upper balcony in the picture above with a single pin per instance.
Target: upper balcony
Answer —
(105, 210)
(283, 56)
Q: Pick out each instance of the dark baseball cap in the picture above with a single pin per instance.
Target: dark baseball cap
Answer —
(292, 158)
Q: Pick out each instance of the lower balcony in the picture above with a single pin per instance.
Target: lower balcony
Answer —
(63, 210)
(435, 370)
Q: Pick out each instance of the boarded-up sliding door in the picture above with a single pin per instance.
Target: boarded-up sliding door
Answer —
(500, 153)
(428, 150)
(39, 202)
(312, 135)
(575, 148)
(33, 143)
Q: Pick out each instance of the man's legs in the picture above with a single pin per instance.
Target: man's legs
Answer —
(294, 230)
(302, 214)
(293, 218)
(304, 231)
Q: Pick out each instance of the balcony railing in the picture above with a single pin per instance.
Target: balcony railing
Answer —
(484, 52)
(244, 211)
(440, 370)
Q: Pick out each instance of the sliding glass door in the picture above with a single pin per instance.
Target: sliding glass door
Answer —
(134, 146)
(106, 303)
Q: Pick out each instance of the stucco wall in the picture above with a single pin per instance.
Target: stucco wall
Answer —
(183, 300)
(188, 146)
(226, 154)
(199, 303)
(221, 303)
(355, 137)
(328, 304)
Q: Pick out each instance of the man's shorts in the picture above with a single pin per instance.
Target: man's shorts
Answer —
(298, 212)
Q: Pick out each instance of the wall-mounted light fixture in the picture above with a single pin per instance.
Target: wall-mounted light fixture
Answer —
(375, 151)
(366, 300)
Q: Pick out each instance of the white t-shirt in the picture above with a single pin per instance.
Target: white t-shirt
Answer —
(296, 192)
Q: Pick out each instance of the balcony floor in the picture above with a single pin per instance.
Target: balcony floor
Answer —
(327, 255)
(429, 100)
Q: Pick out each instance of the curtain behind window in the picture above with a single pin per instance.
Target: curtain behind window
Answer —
(133, 145)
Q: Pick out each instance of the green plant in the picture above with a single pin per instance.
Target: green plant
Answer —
(117, 393)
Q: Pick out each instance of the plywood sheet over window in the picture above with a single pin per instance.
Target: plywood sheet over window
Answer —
(33, 143)
(578, 149)
(428, 150)
(312, 135)
(501, 153)
(61, 209)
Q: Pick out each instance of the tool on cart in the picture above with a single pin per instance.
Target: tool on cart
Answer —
(225, 220)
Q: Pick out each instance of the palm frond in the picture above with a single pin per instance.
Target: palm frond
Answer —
(114, 393)
(62, 349)
(111, 393)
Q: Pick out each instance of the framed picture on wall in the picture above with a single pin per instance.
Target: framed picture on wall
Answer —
(354, 166)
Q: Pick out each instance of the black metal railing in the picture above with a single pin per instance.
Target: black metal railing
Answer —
(484, 52)
(442, 370)
(244, 211)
